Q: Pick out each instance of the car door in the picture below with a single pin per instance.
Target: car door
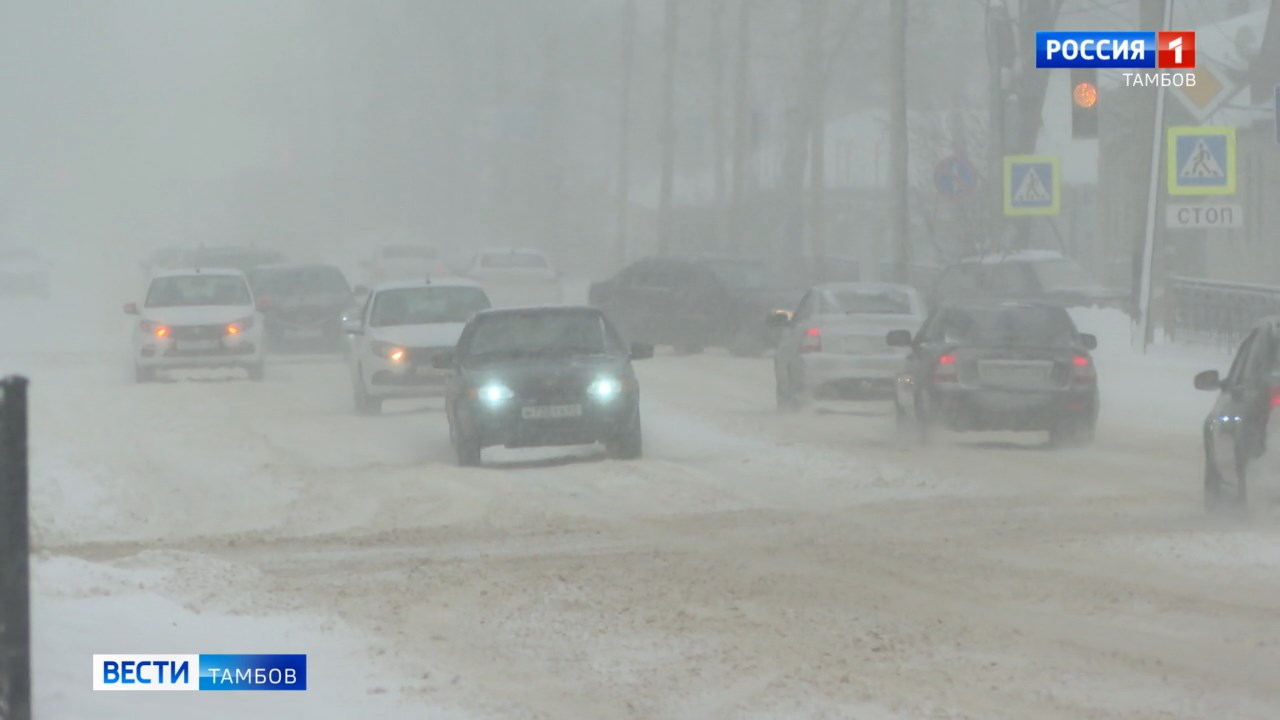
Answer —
(1230, 412)
(793, 334)
(360, 341)
(920, 359)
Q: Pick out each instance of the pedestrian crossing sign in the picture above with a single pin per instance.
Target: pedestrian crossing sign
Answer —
(1031, 185)
(1202, 160)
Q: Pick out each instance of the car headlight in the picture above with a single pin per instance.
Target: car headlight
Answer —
(606, 389)
(390, 351)
(492, 393)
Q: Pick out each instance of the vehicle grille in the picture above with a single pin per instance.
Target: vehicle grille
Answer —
(197, 332)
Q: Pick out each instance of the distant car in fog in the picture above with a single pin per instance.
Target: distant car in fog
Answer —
(997, 366)
(1239, 432)
(24, 272)
(539, 377)
(197, 318)
(303, 304)
(1038, 275)
(832, 346)
(514, 276)
(170, 258)
(402, 326)
(691, 303)
(404, 261)
(243, 259)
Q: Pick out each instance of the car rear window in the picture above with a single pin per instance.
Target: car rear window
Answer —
(299, 281)
(514, 260)
(192, 290)
(873, 301)
(1029, 326)
(409, 252)
(427, 305)
(541, 333)
(1062, 274)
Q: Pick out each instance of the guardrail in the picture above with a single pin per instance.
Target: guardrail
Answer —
(1218, 312)
(15, 572)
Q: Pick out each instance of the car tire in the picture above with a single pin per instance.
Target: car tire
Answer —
(257, 371)
(468, 451)
(143, 374)
(364, 402)
(912, 431)
(1221, 498)
(1072, 433)
(790, 400)
(630, 444)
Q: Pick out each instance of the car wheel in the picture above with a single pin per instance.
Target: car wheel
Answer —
(1072, 433)
(912, 430)
(630, 444)
(257, 371)
(467, 450)
(144, 374)
(365, 404)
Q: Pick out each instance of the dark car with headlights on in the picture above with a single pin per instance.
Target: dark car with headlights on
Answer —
(303, 304)
(542, 377)
(997, 366)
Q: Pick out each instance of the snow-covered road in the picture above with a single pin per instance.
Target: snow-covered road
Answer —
(752, 565)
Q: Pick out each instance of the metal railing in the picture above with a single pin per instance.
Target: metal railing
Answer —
(1218, 312)
(15, 548)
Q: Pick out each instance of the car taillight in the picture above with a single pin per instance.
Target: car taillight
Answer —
(1275, 396)
(945, 370)
(1082, 370)
(812, 342)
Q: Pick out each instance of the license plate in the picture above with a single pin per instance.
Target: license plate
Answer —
(541, 412)
(184, 345)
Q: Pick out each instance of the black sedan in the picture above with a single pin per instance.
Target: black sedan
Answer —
(302, 304)
(1238, 429)
(541, 377)
(998, 366)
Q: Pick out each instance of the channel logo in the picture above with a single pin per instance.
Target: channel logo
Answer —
(1165, 50)
(168, 673)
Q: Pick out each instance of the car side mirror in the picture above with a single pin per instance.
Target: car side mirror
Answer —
(352, 326)
(444, 360)
(1090, 341)
(779, 318)
(131, 308)
(898, 338)
(1208, 380)
(641, 351)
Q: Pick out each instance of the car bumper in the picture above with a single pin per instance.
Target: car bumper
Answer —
(986, 409)
(241, 352)
(505, 424)
(386, 379)
(831, 375)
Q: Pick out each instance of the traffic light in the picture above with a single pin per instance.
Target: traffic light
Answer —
(1084, 103)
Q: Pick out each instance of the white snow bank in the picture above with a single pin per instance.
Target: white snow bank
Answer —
(81, 608)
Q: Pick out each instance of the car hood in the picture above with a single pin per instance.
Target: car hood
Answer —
(428, 335)
(518, 374)
(197, 314)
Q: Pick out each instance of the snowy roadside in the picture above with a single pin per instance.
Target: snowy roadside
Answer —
(80, 608)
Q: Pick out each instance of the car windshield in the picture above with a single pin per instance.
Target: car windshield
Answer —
(873, 301)
(520, 334)
(409, 252)
(190, 290)
(427, 305)
(1062, 274)
(310, 280)
(1006, 326)
(742, 275)
(514, 260)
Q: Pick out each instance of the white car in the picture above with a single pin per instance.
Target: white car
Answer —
(404, 261)
(515, 277)
(197, 318)
(834, 345)
(24, 272)
(403, 325)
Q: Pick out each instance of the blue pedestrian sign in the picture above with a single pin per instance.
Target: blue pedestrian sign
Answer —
(1031, 185)
(1202, 160)
(955, 177)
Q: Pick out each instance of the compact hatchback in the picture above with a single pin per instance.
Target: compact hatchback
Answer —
(403, 325)
(539, 377)
(198, 318)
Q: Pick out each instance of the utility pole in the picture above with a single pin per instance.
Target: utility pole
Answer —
(624, 128)
(668, 140)
(741, 121)
(15, 554)
(1000, 57)
(898, 139)
(717, 118)
(1145, 327)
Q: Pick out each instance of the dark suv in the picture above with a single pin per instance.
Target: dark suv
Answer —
(302, 304)
(691, 303)
(1038, 275)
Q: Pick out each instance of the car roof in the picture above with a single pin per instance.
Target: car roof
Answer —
(532, 309)
(1019, 256)
(835, 287)
(424, 282)
(184, 272)
(1003, 303)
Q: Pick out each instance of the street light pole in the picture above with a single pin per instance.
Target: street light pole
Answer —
(1153, 196)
